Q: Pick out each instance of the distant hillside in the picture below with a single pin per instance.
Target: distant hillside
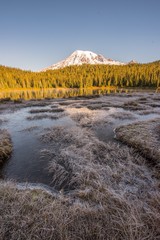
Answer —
(130, 75)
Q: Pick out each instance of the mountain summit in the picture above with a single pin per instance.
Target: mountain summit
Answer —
(80, 57)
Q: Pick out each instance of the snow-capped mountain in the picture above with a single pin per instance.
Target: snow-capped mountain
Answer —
(83, 57)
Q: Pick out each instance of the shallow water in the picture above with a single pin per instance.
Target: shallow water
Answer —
(26, 164)
(106, 133)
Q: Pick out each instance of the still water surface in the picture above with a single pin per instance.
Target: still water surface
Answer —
(59, 93)
(26, 163)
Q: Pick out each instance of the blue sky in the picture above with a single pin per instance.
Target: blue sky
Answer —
(35, 34)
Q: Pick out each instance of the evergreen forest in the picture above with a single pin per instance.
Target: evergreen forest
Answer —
(131, 75)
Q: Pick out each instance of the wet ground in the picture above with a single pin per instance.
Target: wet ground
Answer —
(27, 121)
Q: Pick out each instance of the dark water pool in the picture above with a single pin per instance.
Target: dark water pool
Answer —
(26, 163)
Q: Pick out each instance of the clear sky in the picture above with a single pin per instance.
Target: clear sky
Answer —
(37, 33)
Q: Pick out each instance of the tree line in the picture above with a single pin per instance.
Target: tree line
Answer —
(131, 75)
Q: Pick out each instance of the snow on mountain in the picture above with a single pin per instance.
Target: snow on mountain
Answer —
(80, 57)
(133, 62)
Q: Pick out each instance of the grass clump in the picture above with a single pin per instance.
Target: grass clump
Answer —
(144, 137)
(45, 116)
(30, 129)
(5, 145)
(94, 106)
(53, 110)
(147, 112)
(85, 117)
(123, 115)
(36, 103)
(133, 105)
(5, 100)
(18, 100)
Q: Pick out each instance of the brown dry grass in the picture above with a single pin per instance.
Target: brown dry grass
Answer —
(5, 145)
(35, 215)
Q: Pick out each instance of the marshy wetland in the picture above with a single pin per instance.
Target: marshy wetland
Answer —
(81, 167)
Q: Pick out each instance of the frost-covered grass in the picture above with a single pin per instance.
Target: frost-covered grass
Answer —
(103, 193)
(88, 118)
(107, 180)
(5, 145)
(144, 137)
(76, 149)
